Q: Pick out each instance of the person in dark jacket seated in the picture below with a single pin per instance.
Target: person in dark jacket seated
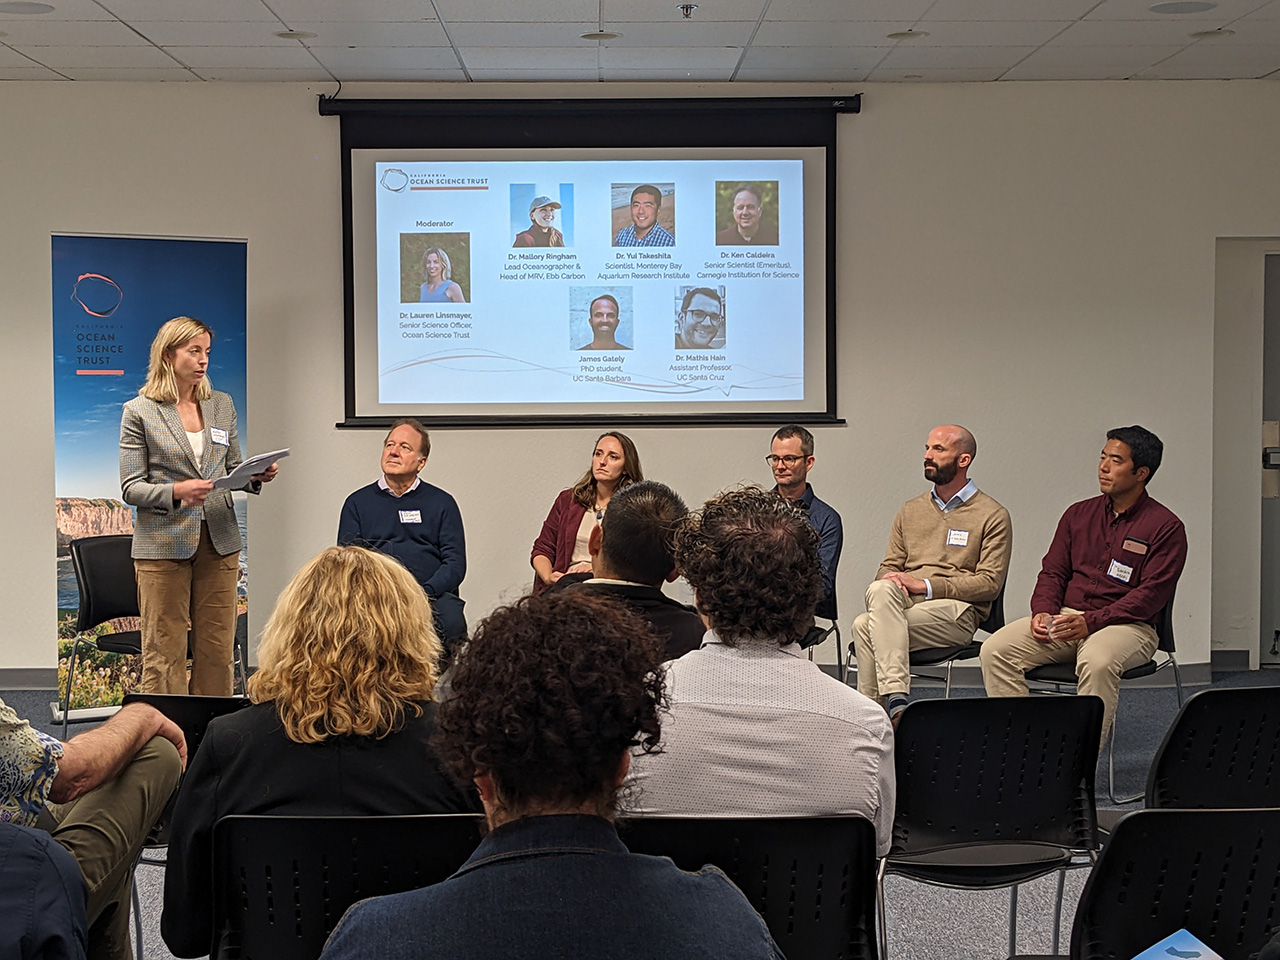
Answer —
(548, 699)
(340, 724)
(631, 557)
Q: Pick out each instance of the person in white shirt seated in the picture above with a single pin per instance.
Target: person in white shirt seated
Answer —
(755, 728)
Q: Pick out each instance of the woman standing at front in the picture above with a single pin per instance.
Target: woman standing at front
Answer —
(176, 437)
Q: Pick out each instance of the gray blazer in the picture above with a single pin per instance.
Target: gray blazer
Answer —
(154, 455)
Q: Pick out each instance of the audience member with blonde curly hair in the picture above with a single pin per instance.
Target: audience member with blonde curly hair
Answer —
(339, 725)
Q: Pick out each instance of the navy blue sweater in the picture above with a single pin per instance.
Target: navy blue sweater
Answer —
(422, 529)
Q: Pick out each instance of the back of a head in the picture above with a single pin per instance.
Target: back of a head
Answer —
(350, 648)
(752, 559)
(548, 696)
(637, 530)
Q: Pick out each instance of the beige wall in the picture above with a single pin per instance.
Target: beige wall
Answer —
(1036, 261)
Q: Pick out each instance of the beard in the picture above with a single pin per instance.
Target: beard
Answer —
(940, 473)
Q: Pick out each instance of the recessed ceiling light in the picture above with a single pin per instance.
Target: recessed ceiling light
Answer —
(601, 35)
(1182, 6)
(1210, 34)
(18, 6)
(906, 34)
(295, 35)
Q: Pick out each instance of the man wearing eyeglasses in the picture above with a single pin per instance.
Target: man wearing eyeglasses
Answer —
(791, 458)
(947, 559)
(700, 322)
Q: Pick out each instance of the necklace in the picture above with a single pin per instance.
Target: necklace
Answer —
(600, 510)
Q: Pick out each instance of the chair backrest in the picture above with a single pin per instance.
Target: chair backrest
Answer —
(1011, 769)
(281, 884)
(104, 575)
(1223, 750)
(192, 714)
(1215, 873)
(1164, 624)
(813, 879)
(995, 619)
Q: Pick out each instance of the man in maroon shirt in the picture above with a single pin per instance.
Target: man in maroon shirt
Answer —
(1113, 565)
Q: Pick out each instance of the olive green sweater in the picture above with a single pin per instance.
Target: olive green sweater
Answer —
(963, 554)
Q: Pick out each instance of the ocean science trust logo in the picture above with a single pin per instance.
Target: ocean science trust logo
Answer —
(394, 179)
(100, 296)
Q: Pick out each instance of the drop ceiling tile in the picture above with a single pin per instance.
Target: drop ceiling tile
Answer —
(191, 33)
(1122, 60)
(398, 76)
(132, 74)
(995, 33)
(667, 11)
(1026, 71)
(1137, 10)
(848, 10)
(934, 75)
(66, 10)
(953, 58)
(1098, 33)
(1008, 10)
(263, 58)
(794, 58)
(69, 33)
(548, 74)
(349, 10)
(63, 58)
(343, 60)
(551, 61)
(1269, 12)
(422, 33)
(870, 33)
(129, 10)
(719, 34)
(1247, 33)
(1199, 62)
(30, 72)
(256, 75)
(557, 34)
(673, 60)
(522, 11)
(694, 75)
(12, 58)
(850, 73)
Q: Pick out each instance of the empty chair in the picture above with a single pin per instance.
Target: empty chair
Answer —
(281, 884)
(994, 792)
(813, 879)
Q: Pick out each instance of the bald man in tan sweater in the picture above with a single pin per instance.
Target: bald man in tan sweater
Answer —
(947, 559)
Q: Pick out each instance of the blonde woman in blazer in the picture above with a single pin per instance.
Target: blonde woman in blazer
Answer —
(176, 437)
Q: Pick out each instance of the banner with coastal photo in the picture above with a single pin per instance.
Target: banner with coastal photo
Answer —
(110, 296)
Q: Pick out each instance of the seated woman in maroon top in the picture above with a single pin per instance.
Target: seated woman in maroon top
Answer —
(561, 547)
(340, 726)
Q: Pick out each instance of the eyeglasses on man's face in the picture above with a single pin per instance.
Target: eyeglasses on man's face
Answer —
(789, 460)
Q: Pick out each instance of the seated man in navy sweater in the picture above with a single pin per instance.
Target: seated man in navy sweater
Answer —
(417, 523)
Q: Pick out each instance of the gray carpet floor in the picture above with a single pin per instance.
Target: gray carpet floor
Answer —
(924, 922)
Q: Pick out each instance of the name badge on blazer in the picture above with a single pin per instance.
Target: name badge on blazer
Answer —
(957, 538)
(218, 435)
(410, 516)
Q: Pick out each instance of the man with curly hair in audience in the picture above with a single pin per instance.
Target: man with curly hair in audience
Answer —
(755, 728)
(547, 702)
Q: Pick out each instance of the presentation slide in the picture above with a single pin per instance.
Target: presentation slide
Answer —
(589, 281)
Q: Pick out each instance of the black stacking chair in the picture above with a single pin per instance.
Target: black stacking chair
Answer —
(1223, 750)
(940, 656)
(818, 635)
(1062, 675)
(108, 590)
(1214, 873)
(281, 884)
(813, 879)
(994, 792)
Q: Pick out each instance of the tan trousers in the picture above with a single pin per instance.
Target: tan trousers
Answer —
(104, 830)
(1100, 659)
(200, 591)
(897, 623)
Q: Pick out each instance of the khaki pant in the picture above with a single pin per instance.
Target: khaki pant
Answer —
(1100, 658)
(200, 591)
(897, 623)
(104, 831)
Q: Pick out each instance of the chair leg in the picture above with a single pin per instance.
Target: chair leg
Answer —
(137, 914)
(1177, 678)
(1057, 909)
(1111, 769)
(840, 668)
(880, 918)
(1013, 920)
(71, 675)
(946, 690)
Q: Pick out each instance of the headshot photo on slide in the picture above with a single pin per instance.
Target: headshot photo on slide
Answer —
(644, 214)
(700, 321)
(747, 213)
(435, 268)
(600, 318)
(542, 214)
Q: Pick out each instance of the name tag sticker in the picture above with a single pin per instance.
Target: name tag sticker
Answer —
(410, 516)
(957, 538)
(1118, 571)
(218, 436)
(1134, 545)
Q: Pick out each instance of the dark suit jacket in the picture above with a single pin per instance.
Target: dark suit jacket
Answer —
(679, 625)
(246, 764)
(42, 897)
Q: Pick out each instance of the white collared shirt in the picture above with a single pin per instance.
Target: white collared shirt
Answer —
(383, 485)
(758, 730)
